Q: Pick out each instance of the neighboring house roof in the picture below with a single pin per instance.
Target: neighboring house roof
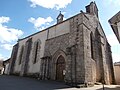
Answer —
(6, 61)
(117, 64)
(113, 22)
(1, 64)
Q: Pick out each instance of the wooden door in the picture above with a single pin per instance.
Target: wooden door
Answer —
(60, 67)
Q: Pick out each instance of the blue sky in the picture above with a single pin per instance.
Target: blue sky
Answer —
(20, 18)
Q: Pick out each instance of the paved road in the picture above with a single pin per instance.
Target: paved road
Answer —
(23, 83)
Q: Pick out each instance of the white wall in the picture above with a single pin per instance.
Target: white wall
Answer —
(34, 68)
(52, 32)
(117, 73)
(6, 68)
(17, 67)
(1, 70)
(59, 29)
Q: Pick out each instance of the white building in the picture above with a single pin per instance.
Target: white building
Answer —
(115, 24)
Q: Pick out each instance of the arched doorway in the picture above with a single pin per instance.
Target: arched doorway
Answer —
(60, 68)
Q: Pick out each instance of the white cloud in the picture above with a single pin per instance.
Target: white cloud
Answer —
(1, 57)
(40, 23)
(115, 2)
(8, 34)
(112, 40)
(57, 4)
(112, 2)
(114, 47)
(7, 46)
(4, 19)
(116, 57)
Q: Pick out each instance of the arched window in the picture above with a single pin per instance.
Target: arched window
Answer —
(21, 54)
(91, 43)
(36, 50)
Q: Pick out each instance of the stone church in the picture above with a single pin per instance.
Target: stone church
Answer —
(75, 51)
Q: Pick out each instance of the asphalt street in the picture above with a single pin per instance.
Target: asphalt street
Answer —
(24, 83)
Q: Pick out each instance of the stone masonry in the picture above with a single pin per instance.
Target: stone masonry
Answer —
(75, 51)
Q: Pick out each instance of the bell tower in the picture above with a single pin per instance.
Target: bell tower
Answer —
(92, 9)
(60, 18)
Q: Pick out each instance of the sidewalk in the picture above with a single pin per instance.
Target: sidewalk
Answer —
(96, 87)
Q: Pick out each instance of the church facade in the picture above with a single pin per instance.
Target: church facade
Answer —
(75, 50)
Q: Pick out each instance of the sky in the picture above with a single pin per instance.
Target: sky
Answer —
(21, 18)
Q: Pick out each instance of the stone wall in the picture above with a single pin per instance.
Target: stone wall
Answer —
(82, 43)
(53, 47)
(72, 46)
(100, 66)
